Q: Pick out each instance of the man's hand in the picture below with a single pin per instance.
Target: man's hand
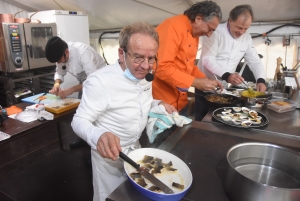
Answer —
(63, 93)
(55, 90)
(108, 146)
(169, 108)
(206, 84)
(235, 79)
(261, 87)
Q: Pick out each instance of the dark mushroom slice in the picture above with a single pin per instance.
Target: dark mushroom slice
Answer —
(179, 186)
(135, 175)
(171, 169)
(154, 188)
(157, 168)
(147, 159)
(168, 164)
(156, 161)
(141, 182)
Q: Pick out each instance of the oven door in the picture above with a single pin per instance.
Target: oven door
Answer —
(37, 36)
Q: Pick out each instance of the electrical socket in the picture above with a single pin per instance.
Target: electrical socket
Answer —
(286, 40)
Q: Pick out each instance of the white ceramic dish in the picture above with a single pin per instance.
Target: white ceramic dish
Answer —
(183, 170)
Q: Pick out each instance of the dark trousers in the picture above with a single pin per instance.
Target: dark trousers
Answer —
(184, 111)
(202, 106)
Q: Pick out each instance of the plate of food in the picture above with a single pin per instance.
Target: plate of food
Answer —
(241, 117)
(166, 167)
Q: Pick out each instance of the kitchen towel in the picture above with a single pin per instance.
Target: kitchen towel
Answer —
(160, 120)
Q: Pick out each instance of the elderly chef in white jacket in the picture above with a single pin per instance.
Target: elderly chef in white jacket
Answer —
(114, 107)
(223, 50)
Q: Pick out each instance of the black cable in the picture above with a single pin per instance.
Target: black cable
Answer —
(100, 38)
(264, 34)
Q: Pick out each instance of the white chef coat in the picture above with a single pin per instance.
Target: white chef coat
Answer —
(83, 60)
(112, 103)
(222, 53)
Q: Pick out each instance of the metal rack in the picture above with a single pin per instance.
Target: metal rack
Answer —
(36, 81)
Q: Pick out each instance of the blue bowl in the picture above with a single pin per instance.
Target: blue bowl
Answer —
(183, 170)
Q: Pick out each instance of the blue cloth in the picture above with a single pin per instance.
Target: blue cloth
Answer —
(160, 120)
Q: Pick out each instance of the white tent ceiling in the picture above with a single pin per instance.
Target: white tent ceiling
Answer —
(114, 14)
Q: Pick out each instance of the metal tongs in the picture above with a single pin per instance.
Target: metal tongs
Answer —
(250, 90)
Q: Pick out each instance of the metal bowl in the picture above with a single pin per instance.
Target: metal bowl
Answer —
(183, 170)
(262, 172)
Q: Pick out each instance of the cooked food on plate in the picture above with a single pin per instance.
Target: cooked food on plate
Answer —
(220, 99)
(163, 171)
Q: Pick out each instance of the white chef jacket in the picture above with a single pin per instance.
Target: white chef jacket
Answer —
(222, 53)
(112, 103)
(83, 60)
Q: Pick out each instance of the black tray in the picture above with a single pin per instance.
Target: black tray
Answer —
(264, 119)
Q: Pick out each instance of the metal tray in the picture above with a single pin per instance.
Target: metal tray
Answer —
(264, 119)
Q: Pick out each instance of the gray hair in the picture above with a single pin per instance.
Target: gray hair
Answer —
(206, 9)
(240, 10)
(138, 27)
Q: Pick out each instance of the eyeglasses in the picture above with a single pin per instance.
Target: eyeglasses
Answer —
(139, 60)
(209, 28)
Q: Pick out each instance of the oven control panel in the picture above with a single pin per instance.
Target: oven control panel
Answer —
(15, 42)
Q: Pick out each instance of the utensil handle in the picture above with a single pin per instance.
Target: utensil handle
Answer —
(128, 160)
(242, 69)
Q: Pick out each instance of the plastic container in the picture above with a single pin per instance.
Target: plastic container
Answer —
(282, 105)
(279, 95)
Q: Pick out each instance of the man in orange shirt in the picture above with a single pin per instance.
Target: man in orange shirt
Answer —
(178, 45)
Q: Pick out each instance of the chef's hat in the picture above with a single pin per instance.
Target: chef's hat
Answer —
(55, 49)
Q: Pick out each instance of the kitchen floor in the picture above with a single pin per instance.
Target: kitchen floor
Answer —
(46, 173)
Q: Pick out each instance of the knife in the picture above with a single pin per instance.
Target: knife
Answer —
(145, 173)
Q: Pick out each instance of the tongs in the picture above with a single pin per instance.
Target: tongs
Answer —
(250, 90)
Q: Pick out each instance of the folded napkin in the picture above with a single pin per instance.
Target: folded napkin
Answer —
(160, 120)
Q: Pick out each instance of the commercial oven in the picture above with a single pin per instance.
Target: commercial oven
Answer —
(22, 46)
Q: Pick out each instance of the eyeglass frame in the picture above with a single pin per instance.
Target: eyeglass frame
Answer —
(209, 28)
(143, 59)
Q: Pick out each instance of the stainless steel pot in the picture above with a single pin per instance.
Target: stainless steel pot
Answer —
(262, 172)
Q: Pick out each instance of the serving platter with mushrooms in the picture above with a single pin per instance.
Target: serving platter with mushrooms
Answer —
(241, 117)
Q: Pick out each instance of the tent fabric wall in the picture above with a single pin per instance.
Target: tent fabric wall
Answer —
(6, 8)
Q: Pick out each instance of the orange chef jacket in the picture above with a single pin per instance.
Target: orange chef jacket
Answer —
(176, 55)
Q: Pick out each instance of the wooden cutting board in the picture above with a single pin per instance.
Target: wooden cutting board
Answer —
(62, 105)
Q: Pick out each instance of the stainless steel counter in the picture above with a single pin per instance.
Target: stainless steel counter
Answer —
(203, 147)
(283, 128)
